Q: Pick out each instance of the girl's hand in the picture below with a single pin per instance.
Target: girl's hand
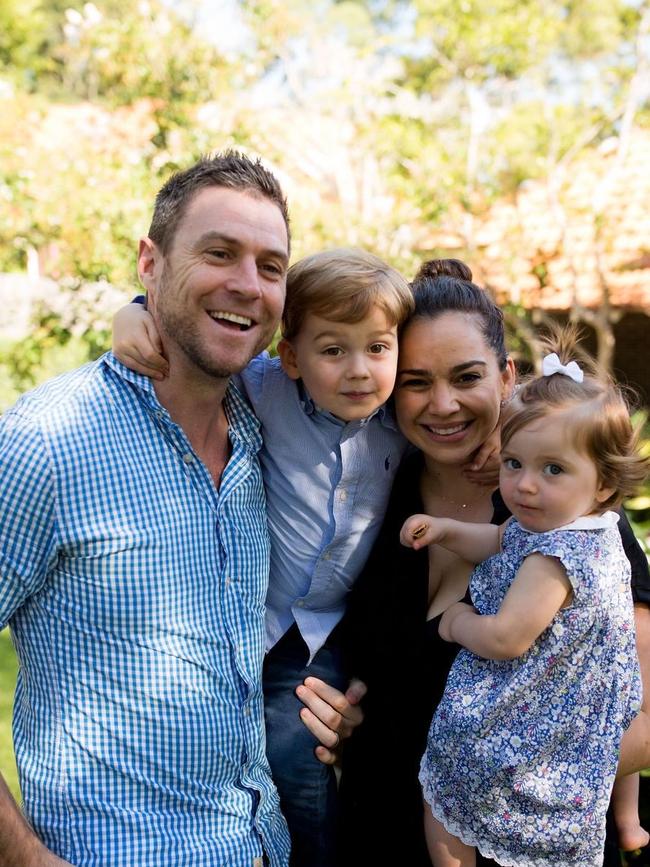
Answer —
(420, 530)
(448, 617)
(136, 342)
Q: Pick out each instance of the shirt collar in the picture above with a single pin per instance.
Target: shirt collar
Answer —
(143, 384)
(242, 421)
(593, 522)
(587, 522)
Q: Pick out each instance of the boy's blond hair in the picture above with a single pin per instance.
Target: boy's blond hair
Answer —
(343, 285)
(599, 410)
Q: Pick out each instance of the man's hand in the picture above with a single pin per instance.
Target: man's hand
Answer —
(330, 715)
(47, 859)
(19, 845)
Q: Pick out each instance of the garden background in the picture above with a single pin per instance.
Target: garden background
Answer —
(514, 134)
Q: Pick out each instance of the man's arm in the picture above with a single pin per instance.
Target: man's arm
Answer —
(27, 550)
(19, 845)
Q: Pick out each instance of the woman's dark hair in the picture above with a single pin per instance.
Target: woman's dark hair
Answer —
(445, 286)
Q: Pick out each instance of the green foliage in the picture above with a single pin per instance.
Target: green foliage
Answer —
(474, 40)
(106, 50)
(8, 671)
(384, 120)
(49, 349)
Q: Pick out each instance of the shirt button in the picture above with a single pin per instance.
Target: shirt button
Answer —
(300, 603)
(343, 495)
(257, 862)
(227, 582)
(188, 458)
(247, 711)
(327, 556)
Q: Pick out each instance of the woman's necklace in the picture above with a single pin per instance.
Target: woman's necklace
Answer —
(457, 503)
(433, 485)
(468, 502)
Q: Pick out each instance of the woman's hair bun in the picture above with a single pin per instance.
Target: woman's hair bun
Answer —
(433, 268)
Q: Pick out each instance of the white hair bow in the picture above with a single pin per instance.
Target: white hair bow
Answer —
(551, 364)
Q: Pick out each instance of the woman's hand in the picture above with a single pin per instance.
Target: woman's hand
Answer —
(420, 530)
(485, 465)
(330, 715)
(448, 617)
(136, 342)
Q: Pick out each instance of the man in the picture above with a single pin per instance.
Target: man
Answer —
(134, 561)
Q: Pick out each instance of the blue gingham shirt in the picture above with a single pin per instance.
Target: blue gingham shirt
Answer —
(135, 594)
(327, 487)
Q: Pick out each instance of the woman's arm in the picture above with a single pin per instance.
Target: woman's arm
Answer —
(635, 746)
(540, 588)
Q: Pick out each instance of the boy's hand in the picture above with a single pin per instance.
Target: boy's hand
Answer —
(330, 715)
(136, 342)
(448, 617)
(420, 530)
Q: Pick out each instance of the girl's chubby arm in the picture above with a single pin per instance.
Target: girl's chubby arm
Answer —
(540, 588)
(472, 542)
(136, 342)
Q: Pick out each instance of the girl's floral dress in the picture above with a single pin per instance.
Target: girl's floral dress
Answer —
(522, 753)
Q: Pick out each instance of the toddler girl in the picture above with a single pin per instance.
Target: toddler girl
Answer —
(523, 748)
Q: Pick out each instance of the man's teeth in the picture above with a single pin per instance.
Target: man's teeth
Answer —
(243, 321)
(447, 431)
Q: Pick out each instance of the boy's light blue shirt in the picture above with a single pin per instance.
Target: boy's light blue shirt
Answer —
(327, 486)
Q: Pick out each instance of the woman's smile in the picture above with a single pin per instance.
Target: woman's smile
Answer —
(450, 432)
(449, 386)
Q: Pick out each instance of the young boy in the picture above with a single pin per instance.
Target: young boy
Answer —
(331, 450)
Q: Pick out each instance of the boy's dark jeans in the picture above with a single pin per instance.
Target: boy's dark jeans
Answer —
(307, 787)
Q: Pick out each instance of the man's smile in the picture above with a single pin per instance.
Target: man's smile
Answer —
(221, 316)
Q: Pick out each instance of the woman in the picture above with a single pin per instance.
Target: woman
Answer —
(453, 375)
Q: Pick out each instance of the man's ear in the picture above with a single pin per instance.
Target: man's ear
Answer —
(288, 359)
(148, 256)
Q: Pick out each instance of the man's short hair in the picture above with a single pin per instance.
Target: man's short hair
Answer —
(230, 169)
(343, 286)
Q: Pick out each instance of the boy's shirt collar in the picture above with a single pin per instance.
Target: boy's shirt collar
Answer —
(385, 413)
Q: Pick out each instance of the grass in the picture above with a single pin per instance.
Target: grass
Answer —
(8, 669)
